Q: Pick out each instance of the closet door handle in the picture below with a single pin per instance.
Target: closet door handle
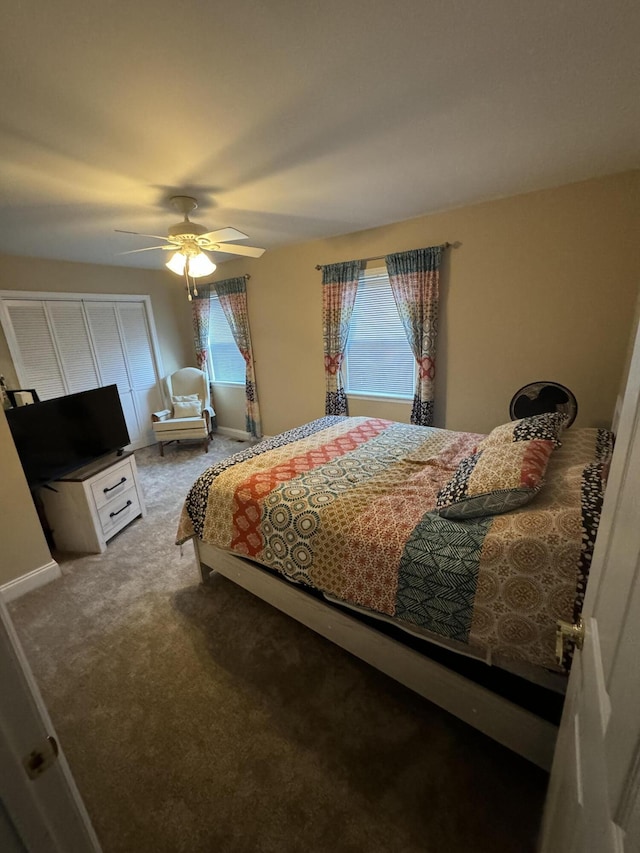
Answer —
(111, 488)
(118, 511)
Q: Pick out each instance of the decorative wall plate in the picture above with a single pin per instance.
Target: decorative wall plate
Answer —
(539, 397)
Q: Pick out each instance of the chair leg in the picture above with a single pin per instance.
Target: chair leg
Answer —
(161, 448)
(206, 445)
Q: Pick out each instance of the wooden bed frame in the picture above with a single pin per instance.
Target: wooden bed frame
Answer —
(506, 722)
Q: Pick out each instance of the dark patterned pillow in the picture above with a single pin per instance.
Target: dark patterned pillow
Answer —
(546, 427)
(495, 479)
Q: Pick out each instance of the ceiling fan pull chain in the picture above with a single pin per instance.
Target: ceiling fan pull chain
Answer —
(187, 270)
(186, 278)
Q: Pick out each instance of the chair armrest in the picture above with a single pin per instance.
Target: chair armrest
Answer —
(164, 415)
(208, 413)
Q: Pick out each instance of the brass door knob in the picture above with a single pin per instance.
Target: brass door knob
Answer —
(568, 632)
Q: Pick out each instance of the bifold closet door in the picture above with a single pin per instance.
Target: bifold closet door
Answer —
(143, 373)
(33, 343)
(71, 336)
(54, 347)
(62, 346)
(110, 354)
(122, 343)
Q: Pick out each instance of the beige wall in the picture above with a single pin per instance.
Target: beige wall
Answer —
(168, 299)
(229, 404)
(542, 287)
(22, 543)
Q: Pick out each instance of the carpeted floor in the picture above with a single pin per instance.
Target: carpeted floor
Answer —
(201, 719)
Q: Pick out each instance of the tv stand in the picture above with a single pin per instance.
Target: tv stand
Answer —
(88, 506)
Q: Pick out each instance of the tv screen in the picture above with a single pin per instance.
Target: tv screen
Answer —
(57, 436)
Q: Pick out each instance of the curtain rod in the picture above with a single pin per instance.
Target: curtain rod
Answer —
(246, 275)
(381, 257)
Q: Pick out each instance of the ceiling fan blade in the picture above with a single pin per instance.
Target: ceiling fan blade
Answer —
(147, 249)
(223, 235)
(247, 251)
(137, 234)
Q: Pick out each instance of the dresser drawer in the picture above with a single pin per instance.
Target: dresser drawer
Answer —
(112, 484)
(119, 512)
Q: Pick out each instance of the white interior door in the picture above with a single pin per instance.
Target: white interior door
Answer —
(73, 344)
(53, 346)
(33, 347)
(593, 805)
(43, 813)
(109, 347)
(143, 372)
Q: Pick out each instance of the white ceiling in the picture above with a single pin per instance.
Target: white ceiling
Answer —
(294, 120)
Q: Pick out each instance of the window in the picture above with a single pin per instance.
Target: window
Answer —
(226, 361)
(378, 358)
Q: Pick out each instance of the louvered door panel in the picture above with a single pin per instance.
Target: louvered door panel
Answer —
(39, 360)
(131, 418)
(107, 342)
(138, 344)
(142, 369)
(72, 337)
(112, 365)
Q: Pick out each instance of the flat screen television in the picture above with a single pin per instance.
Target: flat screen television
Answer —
(57, 436)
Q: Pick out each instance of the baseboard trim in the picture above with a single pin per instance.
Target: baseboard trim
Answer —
(32, 580)
(234, 433)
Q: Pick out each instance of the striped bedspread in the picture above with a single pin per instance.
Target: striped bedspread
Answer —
(345, 505)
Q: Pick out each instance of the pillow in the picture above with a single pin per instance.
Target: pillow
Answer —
(546, 427)
(184, 398)
(187, 409)
(495, 479)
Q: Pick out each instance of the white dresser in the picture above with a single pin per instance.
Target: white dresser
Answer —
(87, 507)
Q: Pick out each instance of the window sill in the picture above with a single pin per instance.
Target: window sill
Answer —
(378, 398)
(227, 384)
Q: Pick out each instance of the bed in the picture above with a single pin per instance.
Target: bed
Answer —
(369, 531)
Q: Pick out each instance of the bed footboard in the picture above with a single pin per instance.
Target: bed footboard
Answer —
(205, 571)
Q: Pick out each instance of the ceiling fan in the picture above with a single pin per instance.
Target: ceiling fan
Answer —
(189, 242)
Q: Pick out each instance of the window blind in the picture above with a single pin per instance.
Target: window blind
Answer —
(378, 357)
(227, 362)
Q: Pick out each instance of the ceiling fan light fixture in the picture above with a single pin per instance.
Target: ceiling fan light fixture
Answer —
(200, 265)
(197, 265)
(176, 263)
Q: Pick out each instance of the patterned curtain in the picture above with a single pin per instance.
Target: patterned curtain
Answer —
(339, 287)
(200, 319)
(233, 299)
(414, 278)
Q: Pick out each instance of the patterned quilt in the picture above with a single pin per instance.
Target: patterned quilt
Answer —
(346, 505)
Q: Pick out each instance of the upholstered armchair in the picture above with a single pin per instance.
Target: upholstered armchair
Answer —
(191, 415)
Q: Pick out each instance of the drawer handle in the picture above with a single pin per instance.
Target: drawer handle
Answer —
(117, 512)
(111, 488)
